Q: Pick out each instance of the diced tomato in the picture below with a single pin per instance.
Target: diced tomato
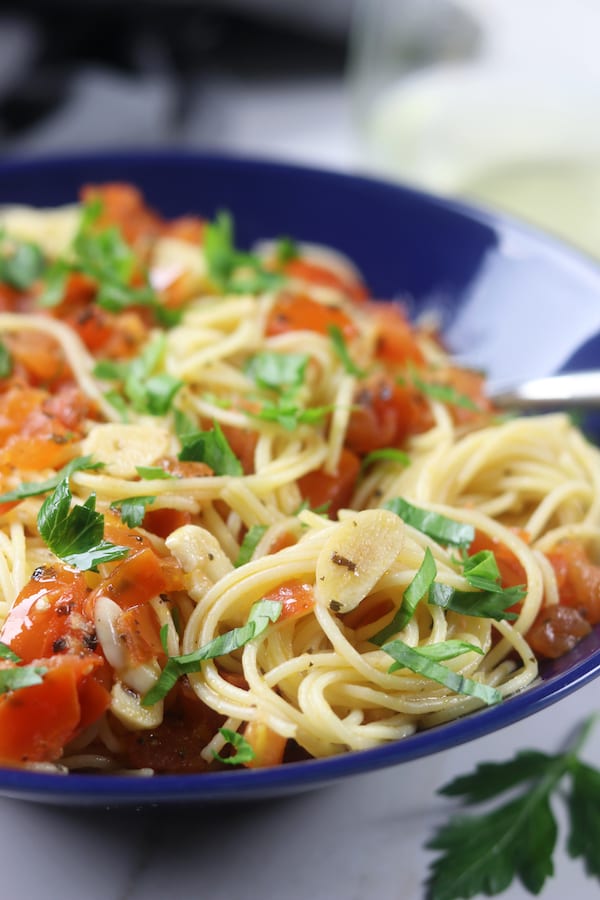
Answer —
(137, 579)
(385, 414)
(185, 469)
(185, 228)
(164, 521)
(297, 599)
(70, 407)
(320, 489)
(286, 539)
(396, 341)
(40, 355)
(267, 745)
(578, 579)
(556, 630)
(49, 617)
(297, 312)
(123, 206)
(37, 722)
(243, 443)
(320, 274)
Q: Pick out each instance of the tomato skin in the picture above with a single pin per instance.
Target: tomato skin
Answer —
(38, 721)
(385, 414)
(137, 579)
(578, 579)
(512, 573)
(319, 488)
(297, 312)
(297, 599)
(267, 745)
(396, 342)
(48, 616)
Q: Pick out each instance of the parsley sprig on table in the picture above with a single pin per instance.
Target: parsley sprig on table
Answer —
(483, 854)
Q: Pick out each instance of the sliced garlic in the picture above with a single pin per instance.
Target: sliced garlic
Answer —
(200, 556)
(124, 447)
(355, 555)
(51, 229)
(126, 705)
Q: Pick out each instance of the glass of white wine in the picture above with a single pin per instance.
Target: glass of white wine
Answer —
(496, 101)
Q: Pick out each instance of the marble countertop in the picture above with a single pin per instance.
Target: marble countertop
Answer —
(363, 837)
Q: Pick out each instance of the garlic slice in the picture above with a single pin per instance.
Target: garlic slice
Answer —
(355, 555)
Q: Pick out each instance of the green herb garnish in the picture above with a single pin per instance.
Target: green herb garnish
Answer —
(426, 660)
(212, 448)
(34, 488)
(416, 590)
(7, 653)
(434, 525)
(20, 677)
(249, 544)
(386, 454)
(76, 535)
(133, 509)
(244, 752)
(341, 349)
(280, 372)
(231, 270)
(21, 262)
(262, 613)
(6, 362)
(483, 854)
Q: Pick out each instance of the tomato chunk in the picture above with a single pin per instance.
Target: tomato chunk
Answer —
(334, 492)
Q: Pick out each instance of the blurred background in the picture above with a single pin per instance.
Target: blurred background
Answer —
(494, 102)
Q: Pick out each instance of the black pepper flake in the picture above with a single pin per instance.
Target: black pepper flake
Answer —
(343, 561)
(63, 609)
(335, 605)
(59, 645)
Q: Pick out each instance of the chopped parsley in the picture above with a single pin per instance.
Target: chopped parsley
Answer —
(133, 509)
(34, 488)
(21, 262)
(212, 448)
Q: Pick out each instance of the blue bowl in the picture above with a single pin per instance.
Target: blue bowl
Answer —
(509, 300)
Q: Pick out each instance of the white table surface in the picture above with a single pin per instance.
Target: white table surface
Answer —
(362, 838)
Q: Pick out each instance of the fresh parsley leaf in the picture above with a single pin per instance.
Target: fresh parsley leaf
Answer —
(426, 660)
(21, 263)
(20, 677)
(262, 613)
(434, 525)
(244, 752)
(34, 488)
(416, 590)
(7, 653)
(251, 539)
(341, 349)
(55, 283)
(386, 454)
(211, 447)
(280, 372)
(133, 509)
(6, 362)
(483, 854)
(76, 535)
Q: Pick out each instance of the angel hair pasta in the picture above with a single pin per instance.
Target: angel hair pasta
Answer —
(249, 514)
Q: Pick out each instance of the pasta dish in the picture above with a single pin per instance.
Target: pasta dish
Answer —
(248, 513)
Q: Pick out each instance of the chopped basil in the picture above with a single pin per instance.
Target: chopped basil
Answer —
(485, 604)
(262, 613)
(76, 535)
(426, 660)
(434, 525)
(249, 544)
(7, 653)
(416, 590)
(21, 262)
(281, 372)
(211, 447)
(138, 383)
(244, 752)
(133, 509)
(33, 488)
(339, 345)
(386, 454)
(154, 473)
(6, 362)
(286, 250)
(20, 677)
(289, 415)
(230, 270)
